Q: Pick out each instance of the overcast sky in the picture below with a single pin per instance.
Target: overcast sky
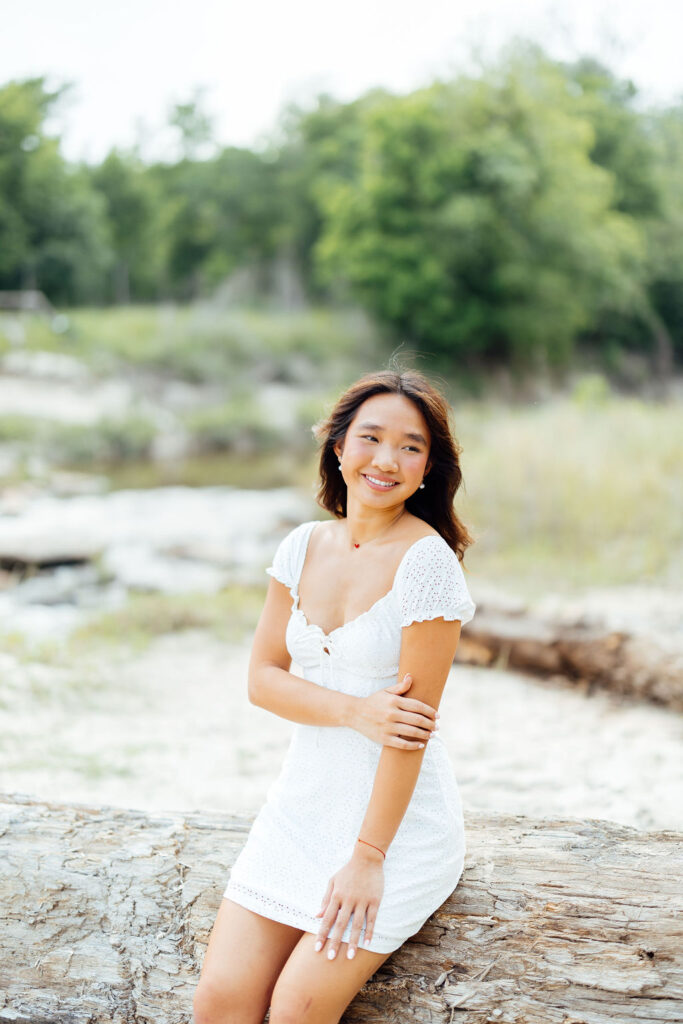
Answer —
(129, 61)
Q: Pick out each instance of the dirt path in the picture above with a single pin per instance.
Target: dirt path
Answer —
(173, 728)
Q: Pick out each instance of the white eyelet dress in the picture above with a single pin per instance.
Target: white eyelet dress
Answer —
(308, 827)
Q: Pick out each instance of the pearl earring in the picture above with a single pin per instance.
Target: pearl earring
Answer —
(339, 467)
(422, 485)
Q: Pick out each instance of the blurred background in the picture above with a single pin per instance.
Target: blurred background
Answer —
(211, 222)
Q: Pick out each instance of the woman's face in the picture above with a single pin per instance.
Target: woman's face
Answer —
(385, 453)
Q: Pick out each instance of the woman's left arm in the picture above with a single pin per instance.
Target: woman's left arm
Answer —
(427, 652)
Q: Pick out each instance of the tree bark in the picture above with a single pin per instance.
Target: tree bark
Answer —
(107, 913)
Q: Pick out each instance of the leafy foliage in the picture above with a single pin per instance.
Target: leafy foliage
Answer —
(504, 217)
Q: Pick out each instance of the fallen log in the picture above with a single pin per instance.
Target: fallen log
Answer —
(107, 912)
(646, 667)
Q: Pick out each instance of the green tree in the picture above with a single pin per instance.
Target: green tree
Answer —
(313, 149)
(220, 214)
(665, 234)
(477, 224)
(134, 217)
(53, 232)
(639, 149)
(194, 125)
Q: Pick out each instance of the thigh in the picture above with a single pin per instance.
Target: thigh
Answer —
(314, 990)
(243, 959)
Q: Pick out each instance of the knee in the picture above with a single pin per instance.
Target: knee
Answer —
(290, 1007)
(217, 1005)
(207, 1005)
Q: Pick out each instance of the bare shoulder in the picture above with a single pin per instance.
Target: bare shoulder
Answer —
(417, 529)
(327, 528)
(324, 534)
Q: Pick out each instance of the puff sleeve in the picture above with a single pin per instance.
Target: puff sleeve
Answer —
(432, 585)
(287, 559)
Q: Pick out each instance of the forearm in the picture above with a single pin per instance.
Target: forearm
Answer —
(431, 645)
(300, 700)
(395, 780)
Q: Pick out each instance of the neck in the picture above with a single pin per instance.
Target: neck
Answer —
(364, 524)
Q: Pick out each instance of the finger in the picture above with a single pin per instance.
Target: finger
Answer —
(414, 725)
(419, 708)
(335, 936)
(398, 741)
(401, 684)
(370, 923)
(354, 936)
(327, 922)
(326, 897)
(412, 718)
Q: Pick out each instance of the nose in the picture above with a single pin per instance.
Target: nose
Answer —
(385, 459)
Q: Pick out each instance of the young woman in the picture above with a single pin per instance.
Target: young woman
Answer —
(361, 837)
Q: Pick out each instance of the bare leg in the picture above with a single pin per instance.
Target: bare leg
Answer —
(243, 959)
(314, 990)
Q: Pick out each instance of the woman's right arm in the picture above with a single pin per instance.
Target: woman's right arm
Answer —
(384, 717)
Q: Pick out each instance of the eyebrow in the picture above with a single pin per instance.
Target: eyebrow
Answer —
(376, 426)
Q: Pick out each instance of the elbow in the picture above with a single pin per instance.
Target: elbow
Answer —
(253, 688)
(259, 683)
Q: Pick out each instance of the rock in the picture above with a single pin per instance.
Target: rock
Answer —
(58, 587)
(136, 567)
(171, 539)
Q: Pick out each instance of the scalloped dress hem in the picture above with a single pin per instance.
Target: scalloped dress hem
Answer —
(261, 903)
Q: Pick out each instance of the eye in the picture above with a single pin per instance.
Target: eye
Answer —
(412, 448)
(369, 437)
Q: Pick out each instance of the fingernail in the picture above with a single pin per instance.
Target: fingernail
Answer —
(318, 946)
(367, 942)
(351, 953)
(438, 714)
(421, 746)
(331, 954)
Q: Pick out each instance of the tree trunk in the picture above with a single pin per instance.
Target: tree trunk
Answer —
(107, 912)
(121, 283)
(641, 666)
(663, 362)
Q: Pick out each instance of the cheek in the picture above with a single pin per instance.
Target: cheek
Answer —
(356, 449)
(416, 464)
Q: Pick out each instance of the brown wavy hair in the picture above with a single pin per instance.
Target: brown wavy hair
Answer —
(434, 504)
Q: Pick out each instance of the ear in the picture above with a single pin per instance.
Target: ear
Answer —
(338, 450)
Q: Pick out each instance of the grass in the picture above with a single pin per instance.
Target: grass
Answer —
(93, 766)
(203, 344)
(260, 471)
(573, 493)
(232, 354)
(228, 615)
(579, 490)
(68, 444)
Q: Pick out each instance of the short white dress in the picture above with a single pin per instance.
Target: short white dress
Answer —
(308, 827)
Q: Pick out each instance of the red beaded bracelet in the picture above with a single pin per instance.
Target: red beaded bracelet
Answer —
(373, 846)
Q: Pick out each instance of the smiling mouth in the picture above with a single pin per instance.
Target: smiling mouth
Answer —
(386, 484)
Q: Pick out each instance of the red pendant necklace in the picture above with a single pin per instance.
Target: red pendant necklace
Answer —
(381, 531)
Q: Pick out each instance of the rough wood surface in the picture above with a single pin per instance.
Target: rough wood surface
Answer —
(641, 666)
(107, 912)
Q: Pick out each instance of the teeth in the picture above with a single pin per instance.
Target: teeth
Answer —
(381, 483)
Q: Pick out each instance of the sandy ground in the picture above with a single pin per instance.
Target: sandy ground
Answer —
(172, 728)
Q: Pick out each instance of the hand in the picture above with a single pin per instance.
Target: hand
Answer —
(356, 889)
(392, 720)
